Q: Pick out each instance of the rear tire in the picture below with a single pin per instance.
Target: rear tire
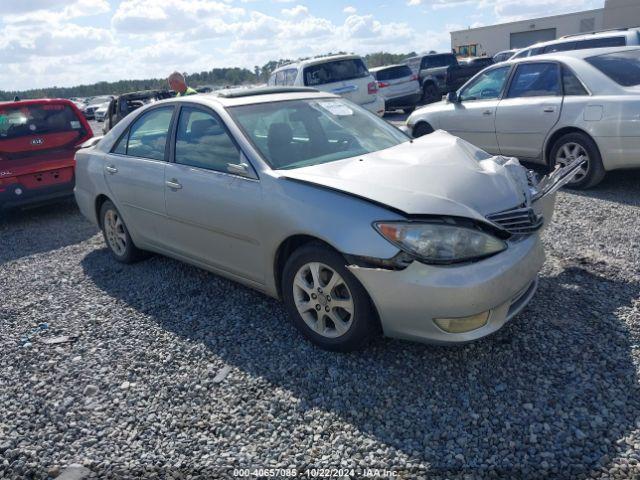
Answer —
(422, 129)
(325, 301)
(576, 144)
(116, 235)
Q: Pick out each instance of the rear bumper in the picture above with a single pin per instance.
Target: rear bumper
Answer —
(403, 101)
(17, 195)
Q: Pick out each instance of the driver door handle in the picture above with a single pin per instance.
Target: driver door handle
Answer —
(111, 169)
(487, 113)
(174, 184)
(549, 109)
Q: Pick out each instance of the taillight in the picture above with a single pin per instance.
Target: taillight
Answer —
(382, 85)
(372, 88)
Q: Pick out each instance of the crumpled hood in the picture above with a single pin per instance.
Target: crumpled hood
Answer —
(438, 174)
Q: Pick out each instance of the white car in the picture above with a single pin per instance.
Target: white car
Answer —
(344, 75)
(583, 41)
(399, 87)
(101, 112)
(550, 109)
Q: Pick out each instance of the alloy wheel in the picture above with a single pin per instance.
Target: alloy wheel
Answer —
(323, 300)
(115, 232)
(569, 152)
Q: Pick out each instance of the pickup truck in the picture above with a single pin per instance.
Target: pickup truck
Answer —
(441, 73)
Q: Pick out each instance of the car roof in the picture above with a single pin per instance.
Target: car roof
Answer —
(377, 69)
(579, 54)
(317, 61)
(584, 36)
(253, 96)
(35, 101)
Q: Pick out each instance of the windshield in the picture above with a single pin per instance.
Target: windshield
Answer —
(299, 133)
(622, 67)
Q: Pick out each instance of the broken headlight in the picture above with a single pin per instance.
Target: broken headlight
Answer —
(440, 243)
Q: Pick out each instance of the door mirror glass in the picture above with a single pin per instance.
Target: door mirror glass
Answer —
(452, 97)
(486, 85)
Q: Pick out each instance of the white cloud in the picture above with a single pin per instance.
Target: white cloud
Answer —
(414, 3)
(296, 11)
(150, 16)
(349, 9)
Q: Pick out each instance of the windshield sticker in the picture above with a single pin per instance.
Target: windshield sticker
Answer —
(75, 124)
(336, 108)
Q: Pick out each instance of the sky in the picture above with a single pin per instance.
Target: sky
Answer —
(47, 43)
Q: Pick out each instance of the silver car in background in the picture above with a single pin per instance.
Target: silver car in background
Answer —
(399, 87)
(550, 109)
(309, 198)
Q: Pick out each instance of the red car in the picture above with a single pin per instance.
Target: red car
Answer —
(38, 142)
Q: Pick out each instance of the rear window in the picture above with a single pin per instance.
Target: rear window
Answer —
(393, 73)
(19, 121)
(621, 67)
(336, 71)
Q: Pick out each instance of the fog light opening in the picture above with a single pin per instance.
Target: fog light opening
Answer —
(463, 324)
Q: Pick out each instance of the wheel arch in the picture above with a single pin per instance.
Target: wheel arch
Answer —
(559, 133)
(100, 200)
(284, 251)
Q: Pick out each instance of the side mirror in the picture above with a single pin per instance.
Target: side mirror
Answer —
(452, 97)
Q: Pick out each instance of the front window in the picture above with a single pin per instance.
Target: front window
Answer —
(621, 67)
(486, 86)
(299, 133)
(202, 141)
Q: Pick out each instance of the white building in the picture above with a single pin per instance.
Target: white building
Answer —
(494, 38)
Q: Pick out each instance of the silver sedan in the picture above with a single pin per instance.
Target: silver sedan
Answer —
(311, 199)
(550, 109)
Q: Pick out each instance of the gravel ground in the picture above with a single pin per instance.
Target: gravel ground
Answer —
(166, 370)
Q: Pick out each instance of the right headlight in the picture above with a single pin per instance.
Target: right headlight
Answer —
(440, 243)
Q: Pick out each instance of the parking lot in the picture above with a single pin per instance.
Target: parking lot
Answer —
(162, 369)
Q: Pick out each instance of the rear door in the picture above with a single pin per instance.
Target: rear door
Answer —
(38, 141)
(473, 118)
(348, 78)
(529, 110)
(134, 172)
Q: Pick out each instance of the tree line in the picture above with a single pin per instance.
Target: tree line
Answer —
(216, 77)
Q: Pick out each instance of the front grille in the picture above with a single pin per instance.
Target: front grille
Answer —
(518, 221)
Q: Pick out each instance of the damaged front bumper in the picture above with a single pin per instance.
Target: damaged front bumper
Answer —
(409, 300)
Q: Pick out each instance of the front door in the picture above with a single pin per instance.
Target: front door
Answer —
(213, 216)
(134, 172)
(529, 110)
(473, 117)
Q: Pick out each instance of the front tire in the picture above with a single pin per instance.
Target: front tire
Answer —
(326, 302)
(422, 129)
(573, 145)
(116, 235)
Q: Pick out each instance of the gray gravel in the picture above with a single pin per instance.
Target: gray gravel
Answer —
(168, 370)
